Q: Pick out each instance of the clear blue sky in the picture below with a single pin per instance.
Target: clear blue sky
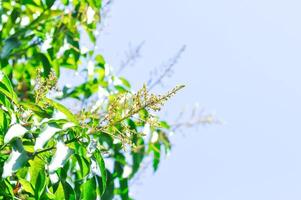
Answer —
(242, 61)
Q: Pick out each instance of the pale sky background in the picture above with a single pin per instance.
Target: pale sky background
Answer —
(242, 61)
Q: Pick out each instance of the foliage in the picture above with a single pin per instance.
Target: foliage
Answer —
(50, 151)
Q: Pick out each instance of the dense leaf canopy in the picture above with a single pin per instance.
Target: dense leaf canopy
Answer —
(50, 149)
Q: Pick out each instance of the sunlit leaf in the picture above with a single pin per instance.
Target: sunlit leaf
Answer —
(16, 130)
(16, 160)
(26, 186)
(64, 110)
(45, 136)
(40, 185)
(60, 157)
(89, 189)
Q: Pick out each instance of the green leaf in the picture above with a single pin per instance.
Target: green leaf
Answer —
(40, 185)
(6, 102)
(89, 190)
(69, 192)
(26, 186)
(100, 60)
(3, 121)
(119, 164)
(164, 124)
(63, 109)
(37, 109)
(36, 165)
(137, 156)
(59, 193)
(124, 189)
(83, 164)
(109, 192)
(9, 45)
(156, 148)
(125, 82)
(103, 171)
(45, 62)
(8, 188)
(16, 160)
(6, 87)
(49, 3)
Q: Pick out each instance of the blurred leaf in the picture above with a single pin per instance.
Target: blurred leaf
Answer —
(16, 160)
(109, 192)
(45, 62)
(164, 124)
(100, 60)
(49, 3)
(9, 45)
(37, 109)
(84, 165)
(156, 148)
(124, 189)
(16, 130)
(103, 171)
(6, 87)
(59, 193)
(64, 110)
(47, 133)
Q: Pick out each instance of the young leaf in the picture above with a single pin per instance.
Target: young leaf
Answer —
(9, 45)
(26, 186)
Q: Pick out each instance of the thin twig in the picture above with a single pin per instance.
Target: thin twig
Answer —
(131, 56)
(167, 69)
